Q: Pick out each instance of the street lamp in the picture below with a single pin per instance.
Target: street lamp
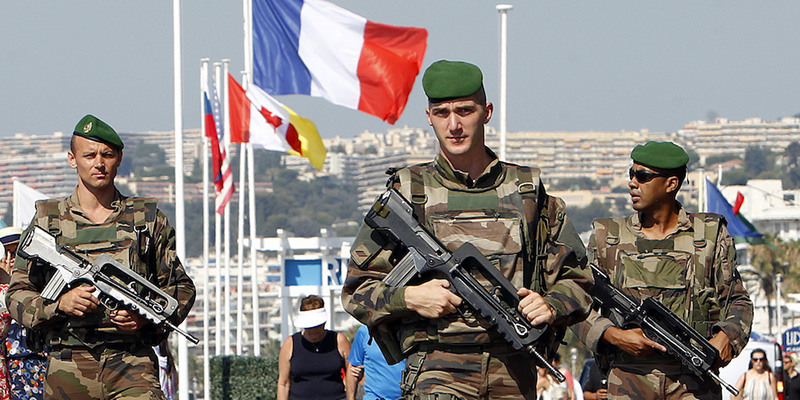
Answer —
(503, 10)
(778, 287)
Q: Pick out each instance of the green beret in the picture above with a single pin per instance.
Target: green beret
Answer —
(664, 155)
(451, 79)
(93, 128)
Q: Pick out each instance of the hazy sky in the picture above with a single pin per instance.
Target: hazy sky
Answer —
(573, 65)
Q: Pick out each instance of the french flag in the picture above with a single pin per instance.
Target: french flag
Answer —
(316, 48)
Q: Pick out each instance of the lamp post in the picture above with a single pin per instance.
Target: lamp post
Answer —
(503, 10)
(779, 311)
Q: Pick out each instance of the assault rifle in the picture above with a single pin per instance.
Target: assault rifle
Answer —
(392, 217)
(660, 324)
(117, 284)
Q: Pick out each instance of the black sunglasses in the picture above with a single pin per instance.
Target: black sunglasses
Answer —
(758, 359)
(643, 176)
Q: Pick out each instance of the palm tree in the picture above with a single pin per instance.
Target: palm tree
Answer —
(776, 257)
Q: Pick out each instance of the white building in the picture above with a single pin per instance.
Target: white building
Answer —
(769, 207)
(288, 268)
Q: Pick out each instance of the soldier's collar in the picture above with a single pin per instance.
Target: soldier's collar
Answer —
(75, 205)
(684, 222)
(490, 176)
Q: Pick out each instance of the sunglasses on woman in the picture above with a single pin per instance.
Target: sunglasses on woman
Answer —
(643, 176)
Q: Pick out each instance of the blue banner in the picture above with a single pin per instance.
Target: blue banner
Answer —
(791, 339)
(718, 204)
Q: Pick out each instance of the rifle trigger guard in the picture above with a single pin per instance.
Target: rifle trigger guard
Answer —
(110, 303)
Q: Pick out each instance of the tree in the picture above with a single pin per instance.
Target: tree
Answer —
(736, 176)
(694, 158)
(574, 183)
(720, 158)
(582, 217)
(792, 154)
(779, 257)
(756, 160)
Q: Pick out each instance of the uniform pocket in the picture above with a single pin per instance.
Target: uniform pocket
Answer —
(659, 274)
(493, 234)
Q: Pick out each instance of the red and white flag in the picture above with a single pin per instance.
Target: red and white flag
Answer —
(257, 118)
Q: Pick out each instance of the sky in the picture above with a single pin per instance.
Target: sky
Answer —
(613, 65)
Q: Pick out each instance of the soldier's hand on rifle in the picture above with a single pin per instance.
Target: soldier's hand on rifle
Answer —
(79, 301)
(126, 320)
(533, 307)
(432, 299)
(632, 341)
(722, 343)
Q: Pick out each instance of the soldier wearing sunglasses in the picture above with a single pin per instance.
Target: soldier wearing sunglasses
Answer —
(685, 260)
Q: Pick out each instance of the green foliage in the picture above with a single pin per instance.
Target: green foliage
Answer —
(157, 171)
(337, 149)
(756, 160)
(736, 176)
(300, 207)
(582, 217)
(792, 154)
(147, 154)
(719, 158)
(791, 178)
(243, 377)
(304, 207)
(197, 173)
(694, 158)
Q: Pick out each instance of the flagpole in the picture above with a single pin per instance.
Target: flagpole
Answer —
(15, 219)
(226, 105)
(240, 252)
(180, 222)
(253, 265)
(218, 243)
(247, 13)
(503, 10)
(206, 297)
(247, 8)
(702, 197)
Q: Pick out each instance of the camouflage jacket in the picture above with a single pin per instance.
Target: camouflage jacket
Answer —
(692, 271)
(117, 237)
(488, 213)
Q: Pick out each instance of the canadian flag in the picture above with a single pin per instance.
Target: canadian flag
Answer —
(257, 118)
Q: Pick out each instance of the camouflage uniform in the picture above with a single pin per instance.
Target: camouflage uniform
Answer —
(693, 272)
(459, 354)
(90, 357)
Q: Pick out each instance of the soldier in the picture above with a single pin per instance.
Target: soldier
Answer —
(687, 261)
(467, 195)
(97, 353)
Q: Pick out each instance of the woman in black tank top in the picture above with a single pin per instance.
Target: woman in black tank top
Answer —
(312, 362)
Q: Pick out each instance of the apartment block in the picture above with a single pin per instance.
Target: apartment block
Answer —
(734, 137)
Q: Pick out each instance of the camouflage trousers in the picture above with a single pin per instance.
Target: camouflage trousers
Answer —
(654, 383)
(478, 375)
(81, 373)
